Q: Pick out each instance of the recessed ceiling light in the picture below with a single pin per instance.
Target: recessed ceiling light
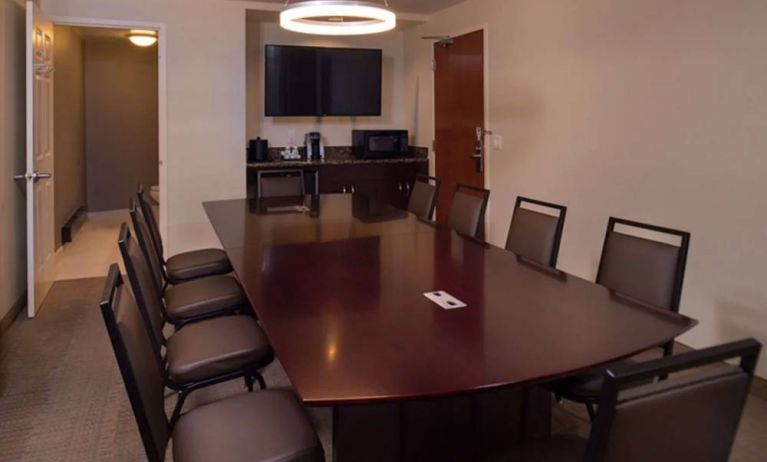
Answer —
(143, 38)
(338, 17)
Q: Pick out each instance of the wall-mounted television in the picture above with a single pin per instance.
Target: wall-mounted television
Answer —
(313, 81)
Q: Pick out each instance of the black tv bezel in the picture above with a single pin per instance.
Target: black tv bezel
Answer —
(379, 102)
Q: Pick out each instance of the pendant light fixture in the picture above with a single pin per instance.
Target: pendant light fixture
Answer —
(338, 17)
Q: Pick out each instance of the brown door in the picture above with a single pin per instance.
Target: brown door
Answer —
(459, 105)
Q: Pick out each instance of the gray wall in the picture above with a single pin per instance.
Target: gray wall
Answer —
(69, 123)
(12, 146)
(121, 134)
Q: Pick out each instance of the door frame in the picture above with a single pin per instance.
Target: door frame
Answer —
(162, 96)
(484, 27)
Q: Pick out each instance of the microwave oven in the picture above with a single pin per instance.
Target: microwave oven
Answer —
(379, 144)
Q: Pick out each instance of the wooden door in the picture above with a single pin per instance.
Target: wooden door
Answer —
(459, 105)
(39, 175)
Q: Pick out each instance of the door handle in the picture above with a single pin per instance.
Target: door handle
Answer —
(41, 176)
(36, 176)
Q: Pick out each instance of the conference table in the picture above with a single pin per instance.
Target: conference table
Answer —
(338, 284)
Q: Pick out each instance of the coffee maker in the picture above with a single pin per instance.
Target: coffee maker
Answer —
(315, 149)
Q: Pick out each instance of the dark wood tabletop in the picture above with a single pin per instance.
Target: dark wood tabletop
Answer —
(337, 282)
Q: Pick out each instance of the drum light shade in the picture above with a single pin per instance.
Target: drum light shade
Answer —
(337, 17)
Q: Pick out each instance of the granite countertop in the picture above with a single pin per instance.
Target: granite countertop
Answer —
(338, 155)
(304, 163)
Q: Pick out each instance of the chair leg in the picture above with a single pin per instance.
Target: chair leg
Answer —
(591, 410)
(249, 382)
(261, 381)
(178, 408)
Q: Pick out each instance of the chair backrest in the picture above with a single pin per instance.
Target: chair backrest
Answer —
(135, 358)
(149, 301)
(281, 183)
(149, 217)
(536, 235)
(690, 416)
(642, 268)
(467, 211)
(144, 238)
(423, 198)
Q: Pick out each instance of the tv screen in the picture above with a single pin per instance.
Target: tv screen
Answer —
(309, 81)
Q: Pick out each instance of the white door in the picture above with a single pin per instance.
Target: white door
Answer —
(39, 175)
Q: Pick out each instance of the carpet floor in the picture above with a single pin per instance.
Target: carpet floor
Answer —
(62, 398)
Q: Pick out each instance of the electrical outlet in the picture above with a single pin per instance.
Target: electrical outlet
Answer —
(497, 142)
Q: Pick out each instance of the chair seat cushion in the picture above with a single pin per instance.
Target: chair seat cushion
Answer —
(269, 425)
(203, 296)
(558, 448)
(216, 346)
(197, 263)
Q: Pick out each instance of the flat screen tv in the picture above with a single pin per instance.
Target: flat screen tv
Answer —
(312, 81)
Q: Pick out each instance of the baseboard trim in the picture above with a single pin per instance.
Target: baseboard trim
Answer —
(73, 223)
(11, 315)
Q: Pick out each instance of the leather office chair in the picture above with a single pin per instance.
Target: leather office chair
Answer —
(691, 416)
(280, 183)
(200, 353)
(261, 426)
(536, 235)
(187, 265)
(643, 269)
(423, 198)
(187, 301)
(467, 211)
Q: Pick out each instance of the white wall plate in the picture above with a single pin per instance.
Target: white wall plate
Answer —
(444, 299)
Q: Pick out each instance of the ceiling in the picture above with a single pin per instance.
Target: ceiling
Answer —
(404, 6)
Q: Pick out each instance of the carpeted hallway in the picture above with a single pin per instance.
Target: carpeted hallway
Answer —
(62, 398)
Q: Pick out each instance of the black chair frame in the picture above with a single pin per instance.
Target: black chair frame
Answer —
(684, 247)
(248, 374)
(146, 210)
(261, 174)
(623, 376)
(122, 243)
(485, 198)
(437, 185)
(560, 222)
(114, 282)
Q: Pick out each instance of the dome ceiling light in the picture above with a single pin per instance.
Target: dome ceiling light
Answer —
(338, 17)
(142, 38)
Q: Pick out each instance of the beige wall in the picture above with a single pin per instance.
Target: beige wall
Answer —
(121, 128)
(336, 131)
(12, 146)
(205, 97)
(69, 125)
(645, 109)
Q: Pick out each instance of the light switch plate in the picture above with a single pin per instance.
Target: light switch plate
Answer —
(497, 141)
(444, 299)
